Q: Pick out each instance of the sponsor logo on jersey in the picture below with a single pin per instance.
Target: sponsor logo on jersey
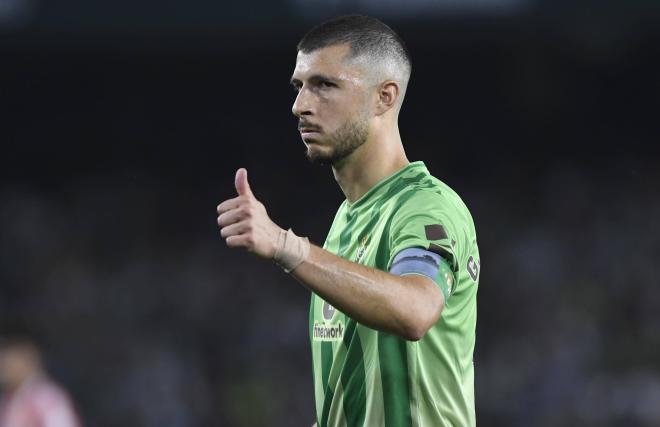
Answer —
(328, 330)
(328, 311)
(473, 268)
(323, 332)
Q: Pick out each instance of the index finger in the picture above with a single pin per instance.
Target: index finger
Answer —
(228, 205)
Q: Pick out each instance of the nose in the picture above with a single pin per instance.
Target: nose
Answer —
(302, 104)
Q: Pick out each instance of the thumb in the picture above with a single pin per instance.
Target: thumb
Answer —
(241, 183)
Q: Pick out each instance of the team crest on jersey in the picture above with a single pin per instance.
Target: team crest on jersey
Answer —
(362, 249)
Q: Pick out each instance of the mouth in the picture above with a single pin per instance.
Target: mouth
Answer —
(308, 132)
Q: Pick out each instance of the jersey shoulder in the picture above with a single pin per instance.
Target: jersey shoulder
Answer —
(433, 212)
(431, 194)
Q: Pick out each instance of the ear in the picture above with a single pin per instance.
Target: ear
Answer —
(388, 95)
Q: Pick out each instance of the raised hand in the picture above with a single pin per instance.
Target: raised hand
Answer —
(244, 222)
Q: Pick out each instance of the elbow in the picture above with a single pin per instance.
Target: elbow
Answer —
(421, 324)
(415, 334)
(422, 321)
(415, 331)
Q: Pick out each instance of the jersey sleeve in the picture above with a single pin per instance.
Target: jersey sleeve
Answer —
(423, 221)
(425, 263)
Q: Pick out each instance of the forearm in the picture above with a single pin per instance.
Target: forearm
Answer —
(404, 306)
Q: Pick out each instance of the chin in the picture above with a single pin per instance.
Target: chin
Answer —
(319, 156)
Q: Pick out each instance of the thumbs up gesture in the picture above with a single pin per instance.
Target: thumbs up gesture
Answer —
(244, 222)
(241, 183)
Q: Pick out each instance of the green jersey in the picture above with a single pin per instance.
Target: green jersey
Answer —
(364, 377)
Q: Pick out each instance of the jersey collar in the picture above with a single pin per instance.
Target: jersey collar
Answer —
(381, 186)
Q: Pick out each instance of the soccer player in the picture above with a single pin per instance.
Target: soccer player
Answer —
(393, 308)
(29, 397)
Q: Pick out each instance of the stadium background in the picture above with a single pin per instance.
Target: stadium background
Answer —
(122, 124)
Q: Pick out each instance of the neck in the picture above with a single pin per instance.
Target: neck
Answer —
(379, 157)
(23, 380)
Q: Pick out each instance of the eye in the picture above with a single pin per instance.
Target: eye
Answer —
(326, 84)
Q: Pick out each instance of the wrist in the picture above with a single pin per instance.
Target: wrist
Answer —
(290, 250)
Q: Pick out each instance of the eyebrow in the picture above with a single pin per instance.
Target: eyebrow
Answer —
(315, 78)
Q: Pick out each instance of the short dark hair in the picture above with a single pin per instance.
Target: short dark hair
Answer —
(364, 34)
(17, 332)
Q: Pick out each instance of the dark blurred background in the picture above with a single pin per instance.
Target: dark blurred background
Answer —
(122, 124)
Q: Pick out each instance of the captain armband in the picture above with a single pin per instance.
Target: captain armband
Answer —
(426, 263)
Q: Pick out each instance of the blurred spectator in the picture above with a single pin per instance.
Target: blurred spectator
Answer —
(29, 397)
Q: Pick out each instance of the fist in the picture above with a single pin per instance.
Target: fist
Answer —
(244, 222)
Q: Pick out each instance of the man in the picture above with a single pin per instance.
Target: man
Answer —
(30, 398)
(393, 311)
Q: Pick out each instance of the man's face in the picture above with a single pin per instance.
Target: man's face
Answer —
(16, 364)
(332, 104)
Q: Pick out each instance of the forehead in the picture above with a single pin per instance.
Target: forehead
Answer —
(327, 60)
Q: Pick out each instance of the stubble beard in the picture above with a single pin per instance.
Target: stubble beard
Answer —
(344, 141)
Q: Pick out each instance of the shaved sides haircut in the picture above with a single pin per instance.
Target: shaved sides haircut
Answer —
(368, 38)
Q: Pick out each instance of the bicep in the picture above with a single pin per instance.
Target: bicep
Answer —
(416, 261)
(426, 288)
(419, 270)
